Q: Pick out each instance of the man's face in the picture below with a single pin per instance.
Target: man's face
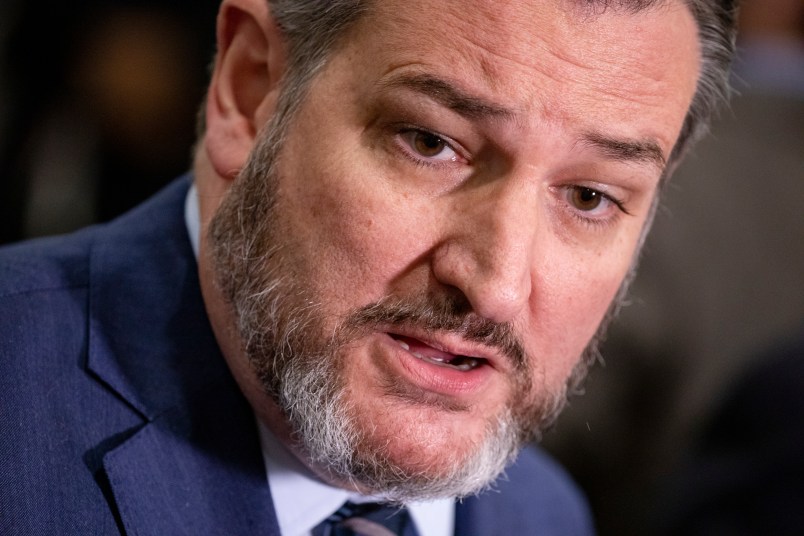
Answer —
(453, 209)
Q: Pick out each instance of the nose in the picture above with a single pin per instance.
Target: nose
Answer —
(488, 249)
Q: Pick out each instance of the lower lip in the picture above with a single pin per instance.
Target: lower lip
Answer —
(436, 378)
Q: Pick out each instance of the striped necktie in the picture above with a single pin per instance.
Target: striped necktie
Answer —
(367, 519)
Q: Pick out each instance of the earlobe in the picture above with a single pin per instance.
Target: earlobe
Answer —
(242, 94)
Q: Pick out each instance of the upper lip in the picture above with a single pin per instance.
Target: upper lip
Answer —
(454, 344)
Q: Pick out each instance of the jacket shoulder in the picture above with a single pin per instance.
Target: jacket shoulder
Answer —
(534, 496)
(53, 263)
(63, 262)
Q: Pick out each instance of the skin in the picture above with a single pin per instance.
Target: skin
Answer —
(454, 164)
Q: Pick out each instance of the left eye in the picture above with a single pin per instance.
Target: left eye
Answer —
(429, 145)
(593, 203)
(586, 199)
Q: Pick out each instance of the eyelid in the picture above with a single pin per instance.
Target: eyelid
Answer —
(604, 191)
(607, 217)
(611, 198)
(461, 155)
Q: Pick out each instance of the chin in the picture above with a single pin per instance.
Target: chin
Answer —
(423, 453)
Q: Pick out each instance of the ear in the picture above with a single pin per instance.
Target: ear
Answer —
(242, 93)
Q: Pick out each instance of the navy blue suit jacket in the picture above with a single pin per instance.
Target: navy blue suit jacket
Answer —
(118, 414)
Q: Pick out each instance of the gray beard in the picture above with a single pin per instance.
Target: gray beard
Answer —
(300, 366)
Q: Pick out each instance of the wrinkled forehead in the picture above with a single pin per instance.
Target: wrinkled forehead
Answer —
(565, 58)
(521, 30)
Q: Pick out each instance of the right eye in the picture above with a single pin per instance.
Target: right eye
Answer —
(427, 147)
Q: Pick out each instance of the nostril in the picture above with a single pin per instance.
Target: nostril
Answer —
(499, 303)
(453, 302)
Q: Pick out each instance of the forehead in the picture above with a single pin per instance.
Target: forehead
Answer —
(558, 59)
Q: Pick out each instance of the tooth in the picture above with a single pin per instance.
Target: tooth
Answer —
(434, 360)
(461, 363)
(467, 363)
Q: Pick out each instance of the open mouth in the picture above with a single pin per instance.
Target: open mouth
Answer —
(428, 354)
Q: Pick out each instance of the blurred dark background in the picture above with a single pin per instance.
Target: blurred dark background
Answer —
(97, 106)
(694, 423)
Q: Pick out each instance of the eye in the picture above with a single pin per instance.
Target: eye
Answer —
(593, 204)
(429, 146)
(586, 199)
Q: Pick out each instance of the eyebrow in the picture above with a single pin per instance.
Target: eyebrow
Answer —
(449, 95)
(627, 150)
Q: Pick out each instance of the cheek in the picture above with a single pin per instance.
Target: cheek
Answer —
(357, 237)
(572, 298)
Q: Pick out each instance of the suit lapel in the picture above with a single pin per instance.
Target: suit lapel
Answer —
(196, 474)
(195, 466)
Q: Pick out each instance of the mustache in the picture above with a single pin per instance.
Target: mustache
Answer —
(445, 314)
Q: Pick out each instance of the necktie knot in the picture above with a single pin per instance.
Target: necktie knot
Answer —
(367, 519)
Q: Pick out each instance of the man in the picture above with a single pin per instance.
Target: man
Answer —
(410, 220)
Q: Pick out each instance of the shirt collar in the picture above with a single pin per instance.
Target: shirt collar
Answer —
(192, 218)
(302, 501)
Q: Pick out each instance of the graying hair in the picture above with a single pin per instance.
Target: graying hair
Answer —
(314, 28)
(717, 31)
